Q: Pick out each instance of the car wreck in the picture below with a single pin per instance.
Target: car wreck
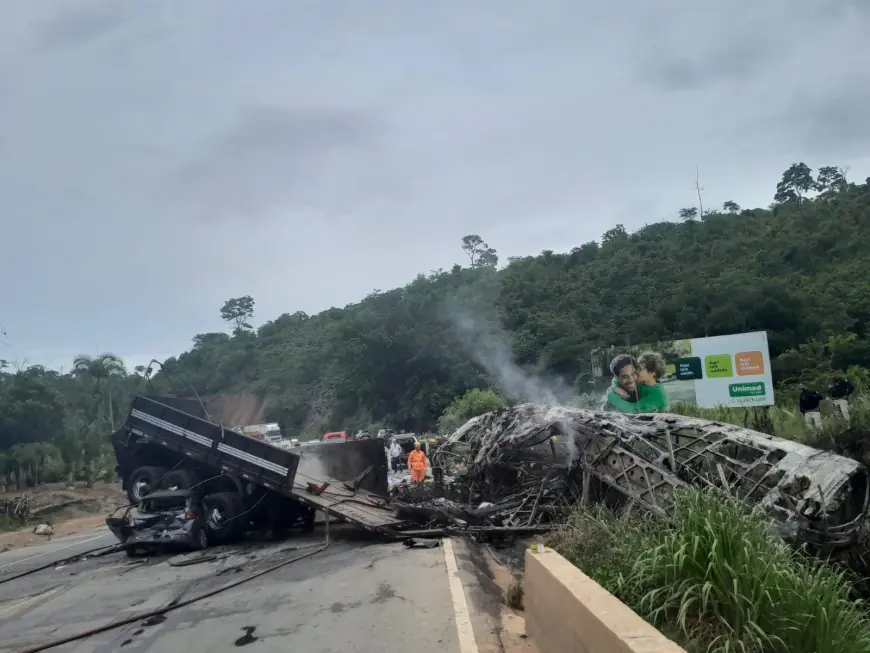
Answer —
(167, 519)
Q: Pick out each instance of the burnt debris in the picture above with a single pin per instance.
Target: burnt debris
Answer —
(524, 469)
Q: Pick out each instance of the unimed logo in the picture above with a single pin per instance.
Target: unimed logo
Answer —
(755, 389)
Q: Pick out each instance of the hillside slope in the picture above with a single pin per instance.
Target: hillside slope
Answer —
(800, 270)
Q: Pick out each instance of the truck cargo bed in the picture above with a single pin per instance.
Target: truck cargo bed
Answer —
(368, 511)
(347, 480)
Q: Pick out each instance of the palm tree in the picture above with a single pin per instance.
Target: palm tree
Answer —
(101, 369)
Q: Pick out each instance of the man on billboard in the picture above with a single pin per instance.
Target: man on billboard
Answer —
(623, 388)
(636, 386)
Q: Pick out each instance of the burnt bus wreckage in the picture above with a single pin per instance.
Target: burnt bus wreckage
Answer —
(529, 465)
(517, 470)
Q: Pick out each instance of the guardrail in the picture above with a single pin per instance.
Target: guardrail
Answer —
(566, 611)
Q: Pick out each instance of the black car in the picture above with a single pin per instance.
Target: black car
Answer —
(162, 520)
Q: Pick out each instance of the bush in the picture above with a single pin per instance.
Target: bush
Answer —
(715, 577)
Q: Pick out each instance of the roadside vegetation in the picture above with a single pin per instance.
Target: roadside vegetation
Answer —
(714, 577)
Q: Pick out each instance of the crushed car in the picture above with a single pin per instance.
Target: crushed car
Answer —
(167, 519)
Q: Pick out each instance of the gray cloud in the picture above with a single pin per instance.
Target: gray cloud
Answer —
(834, 121)
(160, 157)
(277, 156)
(733, 61)
(80, 25)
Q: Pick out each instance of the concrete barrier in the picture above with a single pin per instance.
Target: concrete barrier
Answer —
(568, 612)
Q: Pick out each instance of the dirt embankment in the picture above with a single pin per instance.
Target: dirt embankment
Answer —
(69, 510)
(240, 409)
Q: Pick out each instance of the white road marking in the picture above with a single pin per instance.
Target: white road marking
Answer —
(45, 553)
(464, 631)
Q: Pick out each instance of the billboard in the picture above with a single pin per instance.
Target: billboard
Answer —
(732, 370)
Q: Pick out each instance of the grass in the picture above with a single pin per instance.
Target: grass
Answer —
(515, 595)
(715, 578)
(786, 421)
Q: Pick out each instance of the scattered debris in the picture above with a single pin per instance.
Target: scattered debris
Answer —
(421, 543)
(44, 529)
(17, 508)
(522, 469)
(187, 559)
(248, 637)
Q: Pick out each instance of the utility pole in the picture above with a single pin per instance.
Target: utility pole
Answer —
(699, 189)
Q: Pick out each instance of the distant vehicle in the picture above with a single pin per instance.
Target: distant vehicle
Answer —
(163, 519)
(335, 436)
(266, 432)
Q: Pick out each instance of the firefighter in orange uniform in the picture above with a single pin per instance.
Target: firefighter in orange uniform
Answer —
(417, 464)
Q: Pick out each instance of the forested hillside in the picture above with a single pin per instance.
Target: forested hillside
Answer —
(799, 269)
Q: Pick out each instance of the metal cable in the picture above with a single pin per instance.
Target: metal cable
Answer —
(175, 603)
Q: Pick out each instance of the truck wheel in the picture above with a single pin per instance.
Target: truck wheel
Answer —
(223, 512)
(142, 481)
(180, 479)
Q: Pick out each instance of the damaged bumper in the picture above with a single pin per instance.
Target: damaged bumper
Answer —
(180, 533)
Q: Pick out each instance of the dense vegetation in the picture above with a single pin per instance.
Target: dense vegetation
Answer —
(54, 426)
(715, 577)
(797, 269)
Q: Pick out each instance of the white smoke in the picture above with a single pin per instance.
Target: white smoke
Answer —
(490, 346)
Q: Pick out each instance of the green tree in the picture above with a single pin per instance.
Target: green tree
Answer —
(473, 403)
(830, 182)
(796, 182)
(688, 213)
(479, 253)
(238, 311)
(731, 207)
(101, 370)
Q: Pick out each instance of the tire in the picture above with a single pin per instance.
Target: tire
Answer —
(142, 481)
(182, 479)
(223, 510)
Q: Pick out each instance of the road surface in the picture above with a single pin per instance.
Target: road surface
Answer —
(356, 596)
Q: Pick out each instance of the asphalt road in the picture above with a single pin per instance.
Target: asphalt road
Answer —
(355, 596)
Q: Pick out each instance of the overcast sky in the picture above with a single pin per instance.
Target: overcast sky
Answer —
(157, 158)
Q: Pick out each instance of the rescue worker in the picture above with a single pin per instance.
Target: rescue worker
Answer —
(417, 464)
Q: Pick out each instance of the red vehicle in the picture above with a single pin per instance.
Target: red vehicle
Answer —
(335, 436)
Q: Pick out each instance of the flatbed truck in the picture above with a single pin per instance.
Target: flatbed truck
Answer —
(169, 443)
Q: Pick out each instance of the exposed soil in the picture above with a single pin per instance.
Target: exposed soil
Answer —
(240, 409)
(68, 510)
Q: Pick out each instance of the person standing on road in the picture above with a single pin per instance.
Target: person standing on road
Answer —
(417, 464)
(395, 455)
